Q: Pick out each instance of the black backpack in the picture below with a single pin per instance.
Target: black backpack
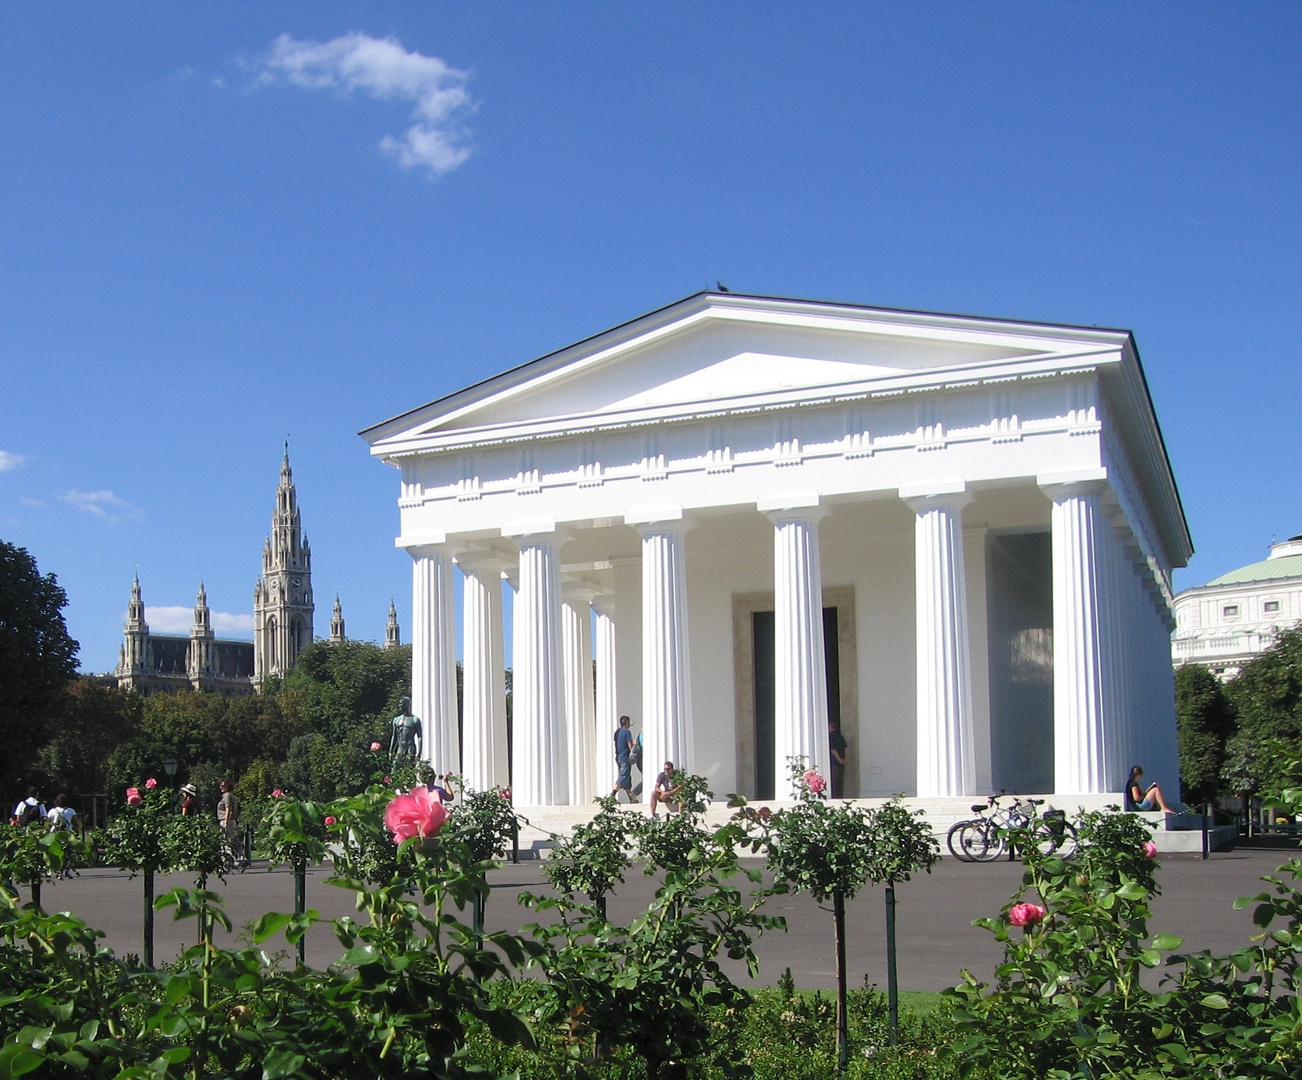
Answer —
(28, 813)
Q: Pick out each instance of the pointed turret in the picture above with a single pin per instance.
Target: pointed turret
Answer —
(282, 599)
(200, 660)
(337, 623)
(134, 657)
(392, 638)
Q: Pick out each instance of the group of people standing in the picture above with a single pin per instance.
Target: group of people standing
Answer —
(31, 810)
(628, 752)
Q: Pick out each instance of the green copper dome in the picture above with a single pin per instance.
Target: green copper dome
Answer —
(1287, 566)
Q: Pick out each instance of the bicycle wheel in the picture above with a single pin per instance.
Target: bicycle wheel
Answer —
(954, 840)
(981, 841)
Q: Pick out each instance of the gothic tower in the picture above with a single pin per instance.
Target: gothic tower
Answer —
(133, 658)
(337, 622)
(391, 636)
(201, 656)
(282, 598)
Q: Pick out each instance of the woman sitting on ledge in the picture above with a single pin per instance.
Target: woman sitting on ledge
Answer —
(1138, 798)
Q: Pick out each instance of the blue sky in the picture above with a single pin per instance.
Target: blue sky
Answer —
(221, 224)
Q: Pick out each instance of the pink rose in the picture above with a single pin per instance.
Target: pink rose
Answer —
(151, 783)
(816, 784)
(388, 779)
(1026, 914)
(277, 794)
(374, 746)
(506, 794)
(329, 820)
(133, 797)
(1150, 849)
(420, 813)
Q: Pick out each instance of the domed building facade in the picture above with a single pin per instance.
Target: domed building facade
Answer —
(1228, 621)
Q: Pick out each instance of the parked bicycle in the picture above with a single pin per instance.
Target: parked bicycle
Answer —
(995, 831)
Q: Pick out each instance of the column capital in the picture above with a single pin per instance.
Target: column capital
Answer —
(431, 544)
(1073, 489)
(663, 526)
(476, 561)
(783, 511)
(529, 536)
(578, 592)
(924, 502)
(604, 603)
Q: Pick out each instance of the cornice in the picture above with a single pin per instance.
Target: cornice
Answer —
(1002, 373)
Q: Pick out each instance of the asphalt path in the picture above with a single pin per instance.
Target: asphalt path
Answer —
(934, 915)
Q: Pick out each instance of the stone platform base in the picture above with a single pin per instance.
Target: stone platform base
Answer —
(1172, 832)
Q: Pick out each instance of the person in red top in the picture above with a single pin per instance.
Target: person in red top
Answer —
(189, 800)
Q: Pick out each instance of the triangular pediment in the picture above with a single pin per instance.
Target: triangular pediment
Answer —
(714, 352)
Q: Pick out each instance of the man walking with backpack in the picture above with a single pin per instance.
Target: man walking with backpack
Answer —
(30, 811)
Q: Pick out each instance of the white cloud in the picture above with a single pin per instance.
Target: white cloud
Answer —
(381, 67)
(177, 619)
(9, 462)
(100, 503)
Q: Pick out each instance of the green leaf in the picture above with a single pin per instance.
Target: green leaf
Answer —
(270, 923)
(281, 1061)
(1215, 1001)
(1167, 942)
(362, 954)
(16, 1060)
(1263, 915)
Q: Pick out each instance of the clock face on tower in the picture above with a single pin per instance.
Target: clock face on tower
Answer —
(296, 582)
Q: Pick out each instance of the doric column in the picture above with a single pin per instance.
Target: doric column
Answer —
(666, 683)
(433, 655)
(580, 709)
(607, 711)
(539, 753)
(800, 671)
(483, 675)
(1079, 742)
(946, 751)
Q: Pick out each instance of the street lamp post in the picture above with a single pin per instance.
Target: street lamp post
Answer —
(169, 766)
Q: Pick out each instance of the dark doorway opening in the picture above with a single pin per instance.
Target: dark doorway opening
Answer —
(762, 623)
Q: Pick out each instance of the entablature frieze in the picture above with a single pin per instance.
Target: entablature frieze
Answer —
(570, 425)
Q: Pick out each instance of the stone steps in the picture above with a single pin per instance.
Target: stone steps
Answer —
(1172, 832)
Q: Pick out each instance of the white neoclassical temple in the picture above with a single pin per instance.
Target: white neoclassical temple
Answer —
(738, 517)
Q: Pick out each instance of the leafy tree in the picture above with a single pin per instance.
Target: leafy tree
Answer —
(95, 720)
(1206, 720)
(831, 852)
(37, 661)
(592, 859)
(1267, 697)
(348, 691)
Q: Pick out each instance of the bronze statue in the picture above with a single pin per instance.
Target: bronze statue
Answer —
(407, 733)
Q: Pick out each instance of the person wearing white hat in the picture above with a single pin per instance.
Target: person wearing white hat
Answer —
(189, 800)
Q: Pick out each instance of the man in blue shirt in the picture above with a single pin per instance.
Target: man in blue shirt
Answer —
(624, 757)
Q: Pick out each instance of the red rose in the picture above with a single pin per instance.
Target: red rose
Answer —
(1026, 914)
(421, 813)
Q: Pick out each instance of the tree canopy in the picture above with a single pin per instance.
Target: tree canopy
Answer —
(1206, 721)
(37, 660)
(1267, 698)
